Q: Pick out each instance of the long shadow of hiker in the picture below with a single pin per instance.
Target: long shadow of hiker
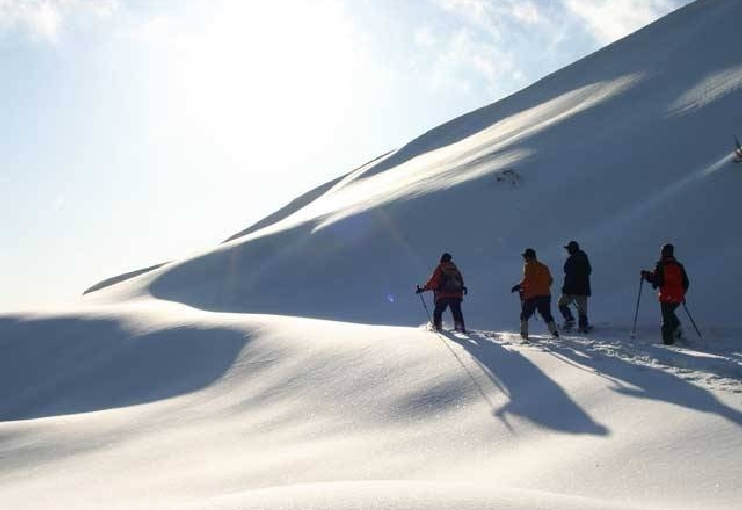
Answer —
(642, 381)
(532, 395)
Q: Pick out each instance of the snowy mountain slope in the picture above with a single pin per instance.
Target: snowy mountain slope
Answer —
(289, 209)
(296, 413)
(623, 150)
(134, 400)
(307, 198)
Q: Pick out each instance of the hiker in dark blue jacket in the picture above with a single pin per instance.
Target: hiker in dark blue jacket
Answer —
(576, 288)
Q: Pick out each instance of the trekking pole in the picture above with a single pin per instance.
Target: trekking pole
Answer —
(426, 307)
(692, 321)
(636, 313)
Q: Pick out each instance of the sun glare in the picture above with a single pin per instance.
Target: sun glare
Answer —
(257, 69)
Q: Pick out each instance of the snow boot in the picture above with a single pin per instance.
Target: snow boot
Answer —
(668, 335)
(569, 319)
(524, 330)
(553, 329)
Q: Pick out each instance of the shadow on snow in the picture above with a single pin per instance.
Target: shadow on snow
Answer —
(61, 366)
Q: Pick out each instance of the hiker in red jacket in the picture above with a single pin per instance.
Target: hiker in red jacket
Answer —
(670, 277)
(448, 288)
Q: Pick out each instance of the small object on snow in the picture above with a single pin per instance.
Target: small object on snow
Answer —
(738, 151)
(508, 175)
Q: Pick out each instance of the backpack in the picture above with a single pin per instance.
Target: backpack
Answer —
(451, 279)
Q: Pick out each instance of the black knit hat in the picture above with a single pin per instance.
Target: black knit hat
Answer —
(668, 250)
(572, 246)
(446, 257)
(529, 253)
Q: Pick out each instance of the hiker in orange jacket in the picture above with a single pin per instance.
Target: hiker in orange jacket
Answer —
(448, 288)
(535, 293)
(670, 277)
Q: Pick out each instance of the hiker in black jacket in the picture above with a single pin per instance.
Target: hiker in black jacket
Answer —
(576, 288)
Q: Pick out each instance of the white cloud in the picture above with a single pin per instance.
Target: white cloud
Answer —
(527, 12)
(609, 20)
(43, 19)
(151, 29)
(474, 9)
(489, 35)
(424, 37)
(494, 17)
(462, 54)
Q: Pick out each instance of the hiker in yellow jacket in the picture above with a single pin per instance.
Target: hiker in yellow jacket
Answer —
(535, 293)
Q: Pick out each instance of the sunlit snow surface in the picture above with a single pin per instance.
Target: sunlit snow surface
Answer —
(290, 368)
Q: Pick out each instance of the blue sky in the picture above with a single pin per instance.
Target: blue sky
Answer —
(136, 131)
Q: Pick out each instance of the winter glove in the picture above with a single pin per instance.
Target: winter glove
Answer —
(515, 288)
(466, 290)
(647, 275)
(419, 290)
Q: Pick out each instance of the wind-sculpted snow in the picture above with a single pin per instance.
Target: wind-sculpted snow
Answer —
(168, 407)
(404, 495)
(74, 364)
(709, 90)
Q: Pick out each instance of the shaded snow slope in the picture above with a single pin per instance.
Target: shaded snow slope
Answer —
(186, 409)
(122, 278)
(623, 150)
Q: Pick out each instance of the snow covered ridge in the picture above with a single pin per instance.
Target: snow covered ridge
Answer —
(623, 150)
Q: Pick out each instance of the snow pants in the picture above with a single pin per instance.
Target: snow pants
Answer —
(440, 307)
(542, 304)
(581, 300)
(670, 321)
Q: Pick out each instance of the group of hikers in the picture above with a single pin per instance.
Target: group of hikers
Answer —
(669, 276)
